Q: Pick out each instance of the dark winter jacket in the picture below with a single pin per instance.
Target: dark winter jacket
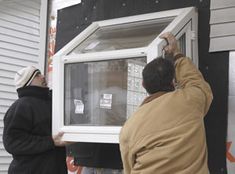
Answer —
(27, 134)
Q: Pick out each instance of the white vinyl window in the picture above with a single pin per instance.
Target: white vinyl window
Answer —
(97, 77)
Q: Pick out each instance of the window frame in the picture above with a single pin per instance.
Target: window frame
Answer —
(185, 21)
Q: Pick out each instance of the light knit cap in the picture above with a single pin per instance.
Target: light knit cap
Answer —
(25, 76)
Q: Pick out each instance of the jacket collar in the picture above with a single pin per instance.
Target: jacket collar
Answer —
(153, 96)
(34, 91)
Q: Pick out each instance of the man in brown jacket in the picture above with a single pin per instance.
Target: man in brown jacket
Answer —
(166, 135)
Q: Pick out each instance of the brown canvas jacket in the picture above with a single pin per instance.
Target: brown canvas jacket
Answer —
(167, 134)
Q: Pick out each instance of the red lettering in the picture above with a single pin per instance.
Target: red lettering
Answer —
(71, 167)
(230, 157)
(52, 30)
(51, 49)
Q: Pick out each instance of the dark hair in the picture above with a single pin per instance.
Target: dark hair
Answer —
(158, 75)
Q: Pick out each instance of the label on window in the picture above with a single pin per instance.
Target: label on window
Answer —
(106, 101)
(79, 106)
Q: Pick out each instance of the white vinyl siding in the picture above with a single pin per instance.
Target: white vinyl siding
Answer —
(21, 37)
(222, 21)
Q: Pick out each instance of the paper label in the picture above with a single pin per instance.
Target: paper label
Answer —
(79, 106)
(106, 101)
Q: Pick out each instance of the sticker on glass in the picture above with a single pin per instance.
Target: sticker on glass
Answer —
(106, 101)
(79, 106)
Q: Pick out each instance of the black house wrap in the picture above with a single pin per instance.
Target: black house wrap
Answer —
(214, 66)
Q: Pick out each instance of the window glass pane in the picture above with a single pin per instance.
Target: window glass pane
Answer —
(122, 36)
(182, 44)
(103, 92)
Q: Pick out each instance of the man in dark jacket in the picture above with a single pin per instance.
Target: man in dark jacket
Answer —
(27, 128)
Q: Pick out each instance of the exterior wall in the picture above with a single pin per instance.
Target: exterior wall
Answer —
(222, 38)
(222, 34)
(54, 6)
(21, 37)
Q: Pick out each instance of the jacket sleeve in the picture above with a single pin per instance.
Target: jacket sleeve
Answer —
(127, 153)
(190, 79)
(17, 136)
(126, 160)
